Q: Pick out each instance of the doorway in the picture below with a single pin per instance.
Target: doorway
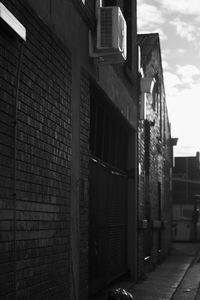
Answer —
(108, 193)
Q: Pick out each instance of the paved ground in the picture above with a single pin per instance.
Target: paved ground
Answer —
(189, 286)
(177, 278)
(166, 279)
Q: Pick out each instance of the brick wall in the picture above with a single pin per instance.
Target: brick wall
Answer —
(155, 161)
(34, 241)
(167, 215)
(8, 61)
(84, 180)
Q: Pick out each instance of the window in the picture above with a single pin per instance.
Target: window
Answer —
(108, 133)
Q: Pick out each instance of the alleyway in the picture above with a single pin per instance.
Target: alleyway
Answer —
(189, 288)
(177, 278)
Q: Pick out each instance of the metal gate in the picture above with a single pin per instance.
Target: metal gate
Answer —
(108, 225)
(108, 192)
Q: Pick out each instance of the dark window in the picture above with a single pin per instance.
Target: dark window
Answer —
(180, 165)
(108, 133)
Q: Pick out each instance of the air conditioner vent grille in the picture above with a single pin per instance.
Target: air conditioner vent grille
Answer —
(106, 28)
(111, 38)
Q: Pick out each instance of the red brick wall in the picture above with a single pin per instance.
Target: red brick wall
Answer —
(34, 242)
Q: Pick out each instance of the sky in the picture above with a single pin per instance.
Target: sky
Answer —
(178, 25)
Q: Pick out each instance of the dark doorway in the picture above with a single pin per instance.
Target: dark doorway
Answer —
(108, 193)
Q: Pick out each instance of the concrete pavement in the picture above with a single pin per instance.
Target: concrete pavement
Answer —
(163, 283)
(189, 286)
(177, 278)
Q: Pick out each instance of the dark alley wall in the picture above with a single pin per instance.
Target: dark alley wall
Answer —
(36, 133)
(45, 150)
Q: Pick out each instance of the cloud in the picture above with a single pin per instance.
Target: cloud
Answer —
(181, 78)
(165, 52)
(188, 73)
(165, 65)
(189, 69)
(186, 7)
(184, 30)
(185, 150)
(149, 17)
(181, 51)
(183, 108)
(171, 80)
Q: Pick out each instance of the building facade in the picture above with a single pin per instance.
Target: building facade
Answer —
(86, 149)
(155, 153)
(186, 193)
(68, 127)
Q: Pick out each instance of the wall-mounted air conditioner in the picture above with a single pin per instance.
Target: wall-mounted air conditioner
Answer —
(111, 36)
(111, 31)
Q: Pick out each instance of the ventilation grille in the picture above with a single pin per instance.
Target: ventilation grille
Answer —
(106, 28)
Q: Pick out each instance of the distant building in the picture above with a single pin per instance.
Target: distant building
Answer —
(155, 158)
(186, 196)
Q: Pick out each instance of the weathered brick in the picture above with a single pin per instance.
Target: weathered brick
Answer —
(153, 152)
(40, 209)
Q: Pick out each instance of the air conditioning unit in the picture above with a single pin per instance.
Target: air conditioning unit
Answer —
(111, 35)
